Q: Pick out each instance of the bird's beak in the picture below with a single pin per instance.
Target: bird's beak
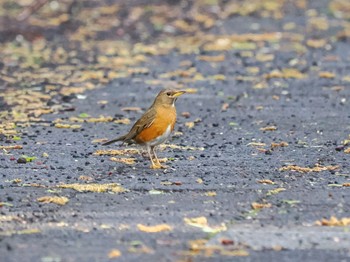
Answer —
(178, 93)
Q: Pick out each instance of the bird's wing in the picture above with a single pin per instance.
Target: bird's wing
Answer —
(145, 121)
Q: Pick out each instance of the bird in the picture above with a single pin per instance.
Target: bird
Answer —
(155, 126)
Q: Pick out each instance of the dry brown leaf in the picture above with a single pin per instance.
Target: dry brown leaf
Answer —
(269, 128)
(346, 184)
(201, 222)
(347, 151)
(128, 161)
(261, 57)
(124, 121)
(85, 178)
(59, 125)
(210, 193)
(258, 144)
(199, 181)
(316, 43)
(266, 181)
(256, 205)
(189, 124)
(11, 147)
(286, 73)
(206, 58)
(225, 106)
(317, 168)
(94, 187)
(280, 144)
(154, 229)
(100, 119)
(114, 253)
(116, 152)
(333, 221)
(196, 221)
(275, 191)
(137, 109)
(325, 74)
(54, 199)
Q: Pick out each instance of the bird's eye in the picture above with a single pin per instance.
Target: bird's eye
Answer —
(168, 94)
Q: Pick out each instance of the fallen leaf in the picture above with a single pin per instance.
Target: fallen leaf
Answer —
(210, 193)
(199, 181)
(316, 43)
(11, 147)
(114, 253)
(128, 161)
(113, 152)
(154, 229)
(124, 121)
(269, 128)
(280, 144)
(137, 109)
(275, 191)
(54, 199)
(325, 74)
(225, 106)
(94, 187)
(85, 178)
(333, 221)
(258, 144)
(59, 125)
(317, 168)
(266, 181)
(285, 73)
(201, 222)
(206, 58)
(256, 205)
(101, 119)
(189, 124)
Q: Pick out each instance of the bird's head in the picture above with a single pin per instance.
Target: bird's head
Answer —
(168, 97)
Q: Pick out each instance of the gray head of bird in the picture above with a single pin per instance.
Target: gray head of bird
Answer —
(168, 97)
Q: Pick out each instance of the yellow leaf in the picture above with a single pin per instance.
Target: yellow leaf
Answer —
(196, 221)
(333, 221)
(317, 168)
(316, 43)
(325, 74)
(94, 187)
(114, 253)
(118, 152)
(210, 193)
(206, 58)
(128, 161)
(275, 191)
(256, 144)
(11, 147)
(59, 125)
(269, 128)
(280, 144)
(256, 205)
(54, 199)
(189, 124)
(199, 181)
(266, 181)
(154, 229)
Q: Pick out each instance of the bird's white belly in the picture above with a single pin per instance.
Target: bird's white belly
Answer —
(161, 139)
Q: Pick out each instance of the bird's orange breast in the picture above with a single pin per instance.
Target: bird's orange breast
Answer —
(165, 117)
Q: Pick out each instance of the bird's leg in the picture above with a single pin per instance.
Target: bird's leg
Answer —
(156, 158)
(153, 166)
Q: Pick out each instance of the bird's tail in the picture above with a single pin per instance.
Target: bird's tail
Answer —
(121, 138)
